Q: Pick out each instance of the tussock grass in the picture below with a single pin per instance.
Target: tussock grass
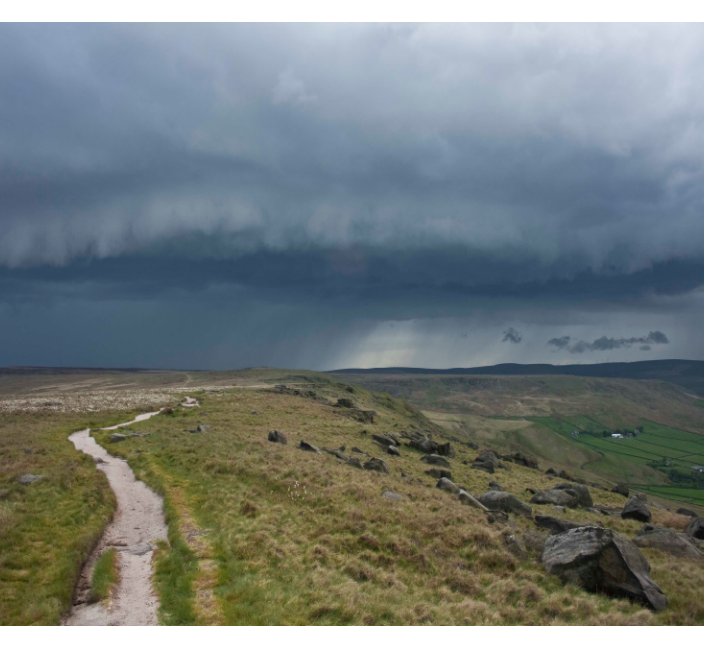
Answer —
(48, 528)
(302, 538)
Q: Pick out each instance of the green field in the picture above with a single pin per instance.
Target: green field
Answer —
(671, 454)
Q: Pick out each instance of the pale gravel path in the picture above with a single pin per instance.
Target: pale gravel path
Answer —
(136, 527)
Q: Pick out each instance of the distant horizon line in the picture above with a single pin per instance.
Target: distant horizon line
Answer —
(9, 368)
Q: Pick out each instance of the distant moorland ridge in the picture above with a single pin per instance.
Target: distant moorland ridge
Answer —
(689, 374)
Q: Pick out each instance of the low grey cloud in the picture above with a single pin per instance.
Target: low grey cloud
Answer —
(605, 343)
(512, 335)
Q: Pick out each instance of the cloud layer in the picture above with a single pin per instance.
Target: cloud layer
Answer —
(437, 184)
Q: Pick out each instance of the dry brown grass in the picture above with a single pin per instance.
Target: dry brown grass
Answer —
(301, 538)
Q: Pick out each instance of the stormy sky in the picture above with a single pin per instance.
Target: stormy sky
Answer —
(325, 196)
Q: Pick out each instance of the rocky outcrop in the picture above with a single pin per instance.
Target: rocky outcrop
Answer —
(667, 540)
(600, 560)
(502, 501)
(636, 509)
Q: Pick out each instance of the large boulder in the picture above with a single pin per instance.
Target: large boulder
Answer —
(600, 560)
(496, 500)
(696, 528)
(667, 540)
(636, 509)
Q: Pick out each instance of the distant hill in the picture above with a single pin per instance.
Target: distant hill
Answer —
(689, 374)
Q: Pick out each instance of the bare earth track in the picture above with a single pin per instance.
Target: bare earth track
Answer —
(136, 527)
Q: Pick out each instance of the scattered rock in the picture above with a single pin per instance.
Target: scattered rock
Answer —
(29, 478)
(495, 486)
(344, 402)
(521, 459)
(354, 461)
(668, 540)
(435, 460)
(117, 436)
(551, 471)
(622, 489)
(363, 416)
(357, 450)
(385, 440)
(555, 525)
(392, 496)
(423, 444)
(167, 411)
(392, 450)
(488, 465)
(636, 509)
(308, 447)
(696, 528)
(557, 497)
(275, 436)
(336, 453)
(581, 492)
(438, 473)
(447, 485)
(503, 501)
(199, 429)
(466, 498)
(375, 464)
(600, 560)
(688, 512)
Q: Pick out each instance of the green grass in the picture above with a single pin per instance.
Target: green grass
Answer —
(657, 460)
(105, 575)
(301, 538)
(48, 528)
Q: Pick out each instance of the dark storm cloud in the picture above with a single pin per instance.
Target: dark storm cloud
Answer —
(576, 145)
(236, 178)
(605, 343)
(512, 335)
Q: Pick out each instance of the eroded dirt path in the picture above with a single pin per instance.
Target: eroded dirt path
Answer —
(137, 525)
